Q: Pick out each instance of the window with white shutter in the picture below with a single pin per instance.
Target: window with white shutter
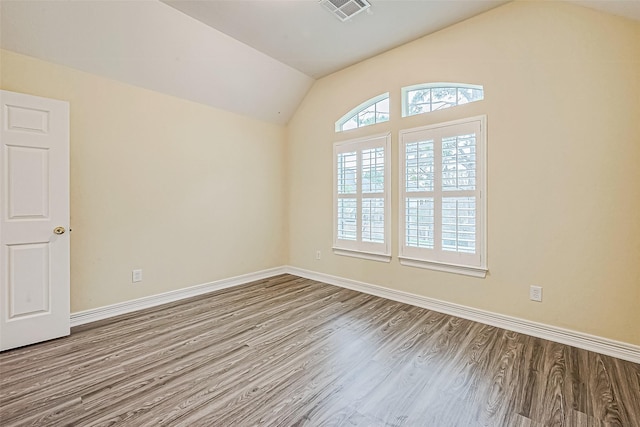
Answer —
(361, 198)
(443, 197)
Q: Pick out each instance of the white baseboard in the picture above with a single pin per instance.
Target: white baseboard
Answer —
(601, 345)
(100, 313)
(593, 343)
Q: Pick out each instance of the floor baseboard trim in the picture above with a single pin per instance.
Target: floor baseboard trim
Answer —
(582, 340)
(101, 313)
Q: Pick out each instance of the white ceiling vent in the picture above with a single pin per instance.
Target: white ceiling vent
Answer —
(345, 9)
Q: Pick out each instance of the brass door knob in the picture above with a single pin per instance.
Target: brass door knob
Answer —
(59, 230)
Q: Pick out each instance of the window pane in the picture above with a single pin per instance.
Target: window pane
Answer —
(443, 97)
(367, 116)
(347, 173)
(419, 224)
(382, 111)
(459, 224)
(347, 219)
(373, 220)
(373, 170)
(352, 123)
(466, 95)
(459, 163)
(418, 101)
(419, 163)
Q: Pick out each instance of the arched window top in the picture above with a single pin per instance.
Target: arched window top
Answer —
(372, 111)
(428, 97)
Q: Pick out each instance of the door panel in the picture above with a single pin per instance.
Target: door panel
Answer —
(27, 176)
(27, 119)
(29, 285)
(34, 196)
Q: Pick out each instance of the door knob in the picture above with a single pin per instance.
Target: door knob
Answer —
(59, 230)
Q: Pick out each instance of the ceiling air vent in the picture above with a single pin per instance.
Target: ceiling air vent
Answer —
(345, 9)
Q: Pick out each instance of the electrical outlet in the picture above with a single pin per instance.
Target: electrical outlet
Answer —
(535, 293)
(136, 275)
(318, 254)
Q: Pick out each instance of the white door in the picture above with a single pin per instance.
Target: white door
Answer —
(34, 219)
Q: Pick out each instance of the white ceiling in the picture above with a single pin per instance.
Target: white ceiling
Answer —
(151, 45)
(257, 58)
(309, 38)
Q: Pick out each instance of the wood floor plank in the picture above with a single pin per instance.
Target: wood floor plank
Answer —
(289, 351)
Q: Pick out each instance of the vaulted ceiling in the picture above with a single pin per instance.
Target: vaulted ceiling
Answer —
(257, 58)
(309, 38)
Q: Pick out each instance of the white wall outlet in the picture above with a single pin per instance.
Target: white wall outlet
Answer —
(318, 254)
(136, 275)
(535, 293)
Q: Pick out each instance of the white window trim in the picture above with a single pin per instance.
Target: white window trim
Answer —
(409, 259)
(447, 268)
(362, 255)
(358, 249)
(405, 90)
(366, 104)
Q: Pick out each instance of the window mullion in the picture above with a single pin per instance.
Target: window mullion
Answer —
(437, 195)
(375, 113)
(461, 193)
(359, 196)
(430, 100)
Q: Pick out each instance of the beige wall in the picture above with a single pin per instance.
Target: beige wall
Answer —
(562, 96)
(188, 193)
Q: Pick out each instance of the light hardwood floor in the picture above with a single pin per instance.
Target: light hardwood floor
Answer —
(288, 351)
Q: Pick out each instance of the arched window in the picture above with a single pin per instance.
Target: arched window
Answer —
(372, 111)
(428, 97)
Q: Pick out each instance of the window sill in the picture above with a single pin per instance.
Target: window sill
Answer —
(479, 272)
(363, 255)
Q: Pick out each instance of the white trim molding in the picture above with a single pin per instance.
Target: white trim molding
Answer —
(363, 255)
(101, 313)
(447, 268)
(581, 340)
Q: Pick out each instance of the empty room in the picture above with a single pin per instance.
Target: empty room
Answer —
(320, 213)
